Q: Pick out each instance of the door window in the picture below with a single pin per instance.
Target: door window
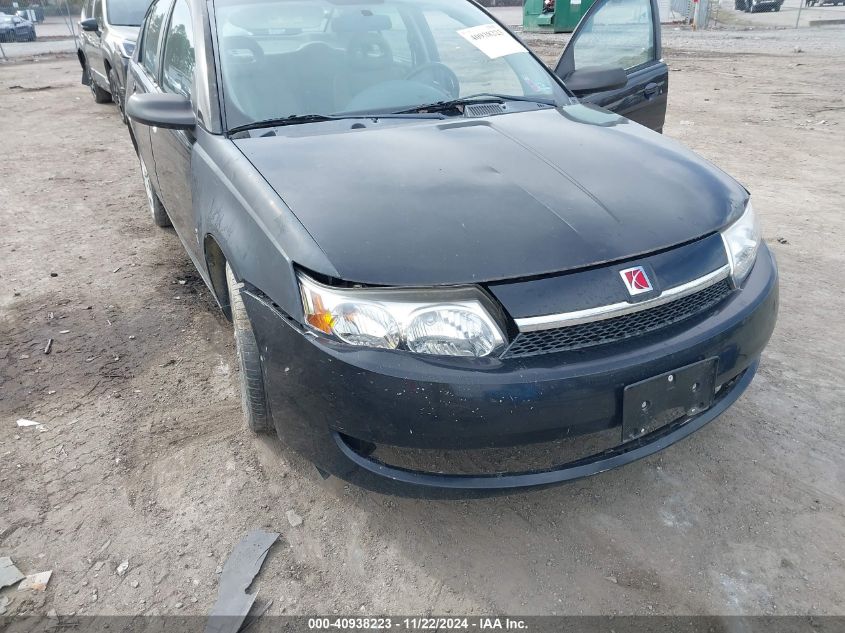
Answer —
(152, 36)
(619, 34)
(178, 74)
(98, 11)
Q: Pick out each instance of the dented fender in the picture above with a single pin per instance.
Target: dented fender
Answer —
(257, 233)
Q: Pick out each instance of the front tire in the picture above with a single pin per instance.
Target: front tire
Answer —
(100, 95)
(253, 396)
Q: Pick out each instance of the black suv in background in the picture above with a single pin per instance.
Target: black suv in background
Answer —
(756, 6)
(14, 28)
(109, 32)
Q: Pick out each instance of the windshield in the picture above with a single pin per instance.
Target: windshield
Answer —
(283, 58)
(126, 12)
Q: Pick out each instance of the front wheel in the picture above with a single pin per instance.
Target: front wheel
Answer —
(100, 95)
(253, 396)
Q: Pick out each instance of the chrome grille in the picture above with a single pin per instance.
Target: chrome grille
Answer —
(602, 332)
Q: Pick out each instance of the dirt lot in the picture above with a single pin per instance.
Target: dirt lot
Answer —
(143, 455)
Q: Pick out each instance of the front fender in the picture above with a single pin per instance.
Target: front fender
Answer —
(258, 234)
(80, 55)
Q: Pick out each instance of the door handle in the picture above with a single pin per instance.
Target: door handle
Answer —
(652, 90)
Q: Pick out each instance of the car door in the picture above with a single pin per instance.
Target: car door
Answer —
(143, 78)
(172, 149)
(94, 52)
(20, 29)
(90, 39)
(622, 34)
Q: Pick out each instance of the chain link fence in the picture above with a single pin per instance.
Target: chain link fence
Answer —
(700, 13)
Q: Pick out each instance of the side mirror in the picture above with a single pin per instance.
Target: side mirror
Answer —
(595, 79)
(89, 24)
(172, 112)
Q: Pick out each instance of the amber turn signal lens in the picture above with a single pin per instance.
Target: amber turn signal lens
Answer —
(320, 318)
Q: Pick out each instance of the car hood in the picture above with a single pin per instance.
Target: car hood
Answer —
(128, 33)
(472, 200)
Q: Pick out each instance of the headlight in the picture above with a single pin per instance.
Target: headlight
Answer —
(444, 322)
(742, 241)
(126, 48)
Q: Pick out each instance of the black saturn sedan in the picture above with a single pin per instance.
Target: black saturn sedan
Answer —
(449, 269)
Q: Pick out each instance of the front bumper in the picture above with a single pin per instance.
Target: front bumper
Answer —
(333, 403)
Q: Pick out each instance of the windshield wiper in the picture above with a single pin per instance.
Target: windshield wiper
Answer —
(481, 97)
(298, 119)
(294, 119)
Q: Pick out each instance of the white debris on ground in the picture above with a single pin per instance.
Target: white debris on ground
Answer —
(36, 582)
(293, 518)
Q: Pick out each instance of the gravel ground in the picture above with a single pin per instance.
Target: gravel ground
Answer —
(17, 51)
(143, 456)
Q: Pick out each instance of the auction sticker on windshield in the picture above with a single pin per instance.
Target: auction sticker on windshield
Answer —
(492, 40)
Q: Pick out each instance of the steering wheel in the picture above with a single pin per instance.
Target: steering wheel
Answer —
(233, 45)
(440, 76)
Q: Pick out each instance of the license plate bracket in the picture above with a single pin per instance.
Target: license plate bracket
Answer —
(655, 402)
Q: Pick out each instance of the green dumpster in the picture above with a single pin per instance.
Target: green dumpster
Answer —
(553, 16)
